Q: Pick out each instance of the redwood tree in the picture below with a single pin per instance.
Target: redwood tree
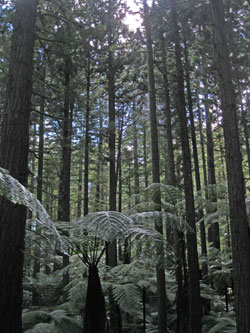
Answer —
(193, 265)
(14, 157)
(236, 186)
(160, 273)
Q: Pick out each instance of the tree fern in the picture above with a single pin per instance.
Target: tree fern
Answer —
(224, 324)
(42, 328)
(109, 226)
(106, 225)
(56, 321)
(128, 297)
(31, 318)
(170, 193)
(13, 190)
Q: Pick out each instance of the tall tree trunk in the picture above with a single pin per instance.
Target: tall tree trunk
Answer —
(79, 190)
(63, 213)
(111, 253)
(193, 264)
(136, 162)
(37, 255)
(246, 135)
(98, 197)
(145, 157)
(160, 273)
(174, 236)
(236, 186)
(213, 230)
(87, 142)
(119, 162)
(202, 224)
(14, 157)
(170, 165)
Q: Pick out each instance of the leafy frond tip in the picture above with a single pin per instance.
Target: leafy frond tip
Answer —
(107, 225)
(14, 191)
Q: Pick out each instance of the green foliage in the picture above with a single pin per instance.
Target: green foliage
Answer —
(222, 323)
(128, 297)
(30, 319)
(56, 321)
(13, 190)
(42, 328)
(105, 225)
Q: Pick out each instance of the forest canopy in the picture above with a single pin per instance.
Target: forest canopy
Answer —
(124, 166)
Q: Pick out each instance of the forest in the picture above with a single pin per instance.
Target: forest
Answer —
(124, 166)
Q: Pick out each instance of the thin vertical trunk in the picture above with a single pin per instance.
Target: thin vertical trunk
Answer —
(145, 157)
(36, 268)
(63, 213)
(37, 254)
(236, 187)
(213, 230)
(119, 163)
(111, 253)
(202, 224)
(174, 236)
(80, 172)
(193, 264)
(99, 193)
(136, 162)
(87, 142)
(246, 136)
(160, 273)
(14, 157)
(170, 165)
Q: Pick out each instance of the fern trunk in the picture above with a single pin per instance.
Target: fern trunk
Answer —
(95, 313)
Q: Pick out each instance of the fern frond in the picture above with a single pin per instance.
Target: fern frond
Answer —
(13, 190)
(128, 297)
(170, 193)
(42, 328)
(107, 225)
(145, 206)
(30, 319)
(224, 324)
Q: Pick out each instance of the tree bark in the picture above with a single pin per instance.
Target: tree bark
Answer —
(236, 186)
(37, 254)
(136, 162)
(14, 157)
(202, 224)
(170, 165)
(145, 157)
(160, 273)
(111, 253)
(87, 142)
(213, 230)
(95, 313)
(63, 213)
(193, 264)
(246, 135)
